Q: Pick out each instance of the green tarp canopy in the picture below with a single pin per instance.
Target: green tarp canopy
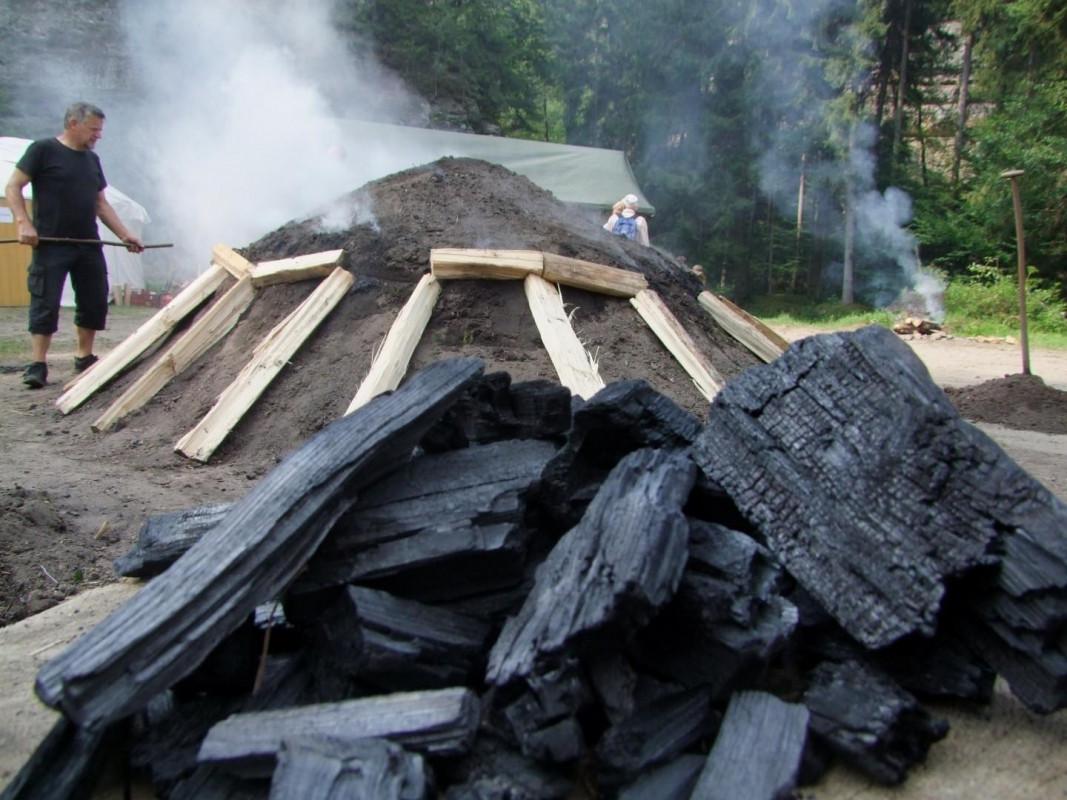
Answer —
(585, 176)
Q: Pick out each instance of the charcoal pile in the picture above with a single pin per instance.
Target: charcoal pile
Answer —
(479, 588)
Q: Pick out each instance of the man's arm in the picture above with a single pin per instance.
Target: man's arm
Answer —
(110, 217)
(15, 201)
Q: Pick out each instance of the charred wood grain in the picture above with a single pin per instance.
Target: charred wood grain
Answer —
(856, 468)
(623, 417)
(758, 751)
(494, 408)
(729, 618)
(163, 538)
(609, 573)
(672, 781)
(494, 770)
(320, 768)
(862, 714)
(66, 764)
(434, 723)
(166, 629)
(656, 733)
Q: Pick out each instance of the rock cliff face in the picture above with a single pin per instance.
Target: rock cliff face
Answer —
(55, 53)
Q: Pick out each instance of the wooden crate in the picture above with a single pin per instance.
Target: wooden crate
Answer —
(14, 258)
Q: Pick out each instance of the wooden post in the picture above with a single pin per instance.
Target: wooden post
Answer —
(575, 368)
(1016, 199)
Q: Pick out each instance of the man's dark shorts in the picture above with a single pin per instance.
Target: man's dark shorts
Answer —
(88, 277)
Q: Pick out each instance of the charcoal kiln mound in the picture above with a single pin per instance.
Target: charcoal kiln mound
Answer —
(393, 225)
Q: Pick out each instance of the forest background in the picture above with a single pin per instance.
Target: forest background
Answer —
(842, 149)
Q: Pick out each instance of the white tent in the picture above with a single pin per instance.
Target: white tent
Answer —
(123, 267)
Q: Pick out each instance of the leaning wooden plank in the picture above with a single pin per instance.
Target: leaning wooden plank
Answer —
(170, 626)
(267, 362)
(614, 569)
(748, 330)
(211, 327)
(150, 332)
(440, 722)
(297, 268)
(231, 261)
(576, 369)
(678, 341)
(594, 277)
(757, 752)
(392, 360)
(485, 264)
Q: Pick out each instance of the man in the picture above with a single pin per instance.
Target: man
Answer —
(625, 221)
(68, 196)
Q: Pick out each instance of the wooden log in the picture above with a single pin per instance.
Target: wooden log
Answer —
(65, 764)
(672, 781)
(758, 750)
(495, 769)
(391, 362)
(230, 260)
(151, 331)
(409, 645)
(678, 342)
(166, 629)
(164, 538)
(625, 416)
(436, 723)
(574, 366)
(592, 277)
(297, 268)
(862, 478)
(543, 717)
(271, 355)
(210, 328)
(494, 409)
(448, 263)
(620, 564)
(656, 733)
(745, 328)
(320, 768)
(727, 620)
(874, 724)
(461, 508)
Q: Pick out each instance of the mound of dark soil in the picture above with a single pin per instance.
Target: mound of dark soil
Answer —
(1023, 402)
(450, 203)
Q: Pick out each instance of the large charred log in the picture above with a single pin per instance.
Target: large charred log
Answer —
(608, 574)
(862, 714)
(620, 418)
(860, 474)
(65, 764)
(728, 619)
(166, 629)
(435, 723)
(455, 517)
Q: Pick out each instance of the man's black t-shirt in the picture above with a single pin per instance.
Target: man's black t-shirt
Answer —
(66, 183)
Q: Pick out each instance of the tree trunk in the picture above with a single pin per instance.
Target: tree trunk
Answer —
(898, 118)
(961, 117)
(847, 295)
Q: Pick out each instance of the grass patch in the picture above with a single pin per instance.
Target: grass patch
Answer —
(984, 302)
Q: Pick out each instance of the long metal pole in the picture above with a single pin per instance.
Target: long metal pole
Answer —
(1017, 202)
(64, 239)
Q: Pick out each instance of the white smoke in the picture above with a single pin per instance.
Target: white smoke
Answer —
(794, 87)
(236, 123)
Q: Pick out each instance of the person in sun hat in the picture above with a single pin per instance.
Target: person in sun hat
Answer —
(68, 197)
(625, 221)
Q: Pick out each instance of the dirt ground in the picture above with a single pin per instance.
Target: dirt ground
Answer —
(71, 499)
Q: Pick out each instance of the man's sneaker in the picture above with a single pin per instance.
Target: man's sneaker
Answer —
(36, 375)
(82, 363)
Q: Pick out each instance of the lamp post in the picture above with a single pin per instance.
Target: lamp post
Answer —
(1013, 175)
